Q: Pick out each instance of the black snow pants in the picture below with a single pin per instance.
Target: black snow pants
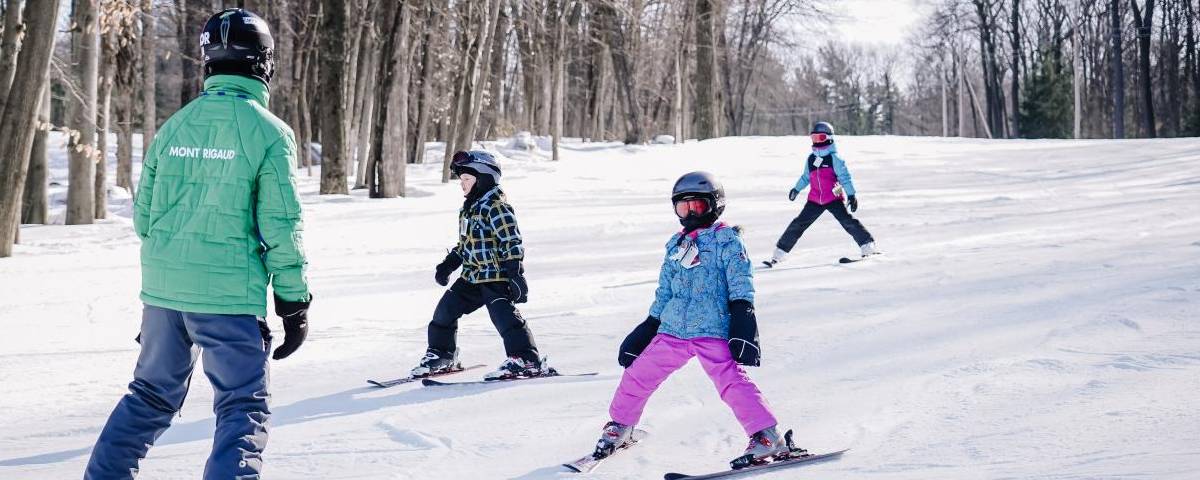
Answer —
(465, 297)
(810, 213)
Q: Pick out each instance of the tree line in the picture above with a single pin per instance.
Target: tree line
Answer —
(1024, 69)
(371, 81)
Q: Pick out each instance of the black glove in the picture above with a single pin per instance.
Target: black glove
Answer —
(295, 325)
(637, 341)
(448, 266)
(518, 290)
(793, 194)
(853, 203)
(743, 333)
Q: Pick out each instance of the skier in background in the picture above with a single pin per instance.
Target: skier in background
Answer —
(490, 253)
(826, 176)
(219, 219)
(704, 308)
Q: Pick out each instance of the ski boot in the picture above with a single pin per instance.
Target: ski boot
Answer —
(775, 258)
(614, 436)
(868, 249)
(767, 445)
(517, 367)
(436, 362)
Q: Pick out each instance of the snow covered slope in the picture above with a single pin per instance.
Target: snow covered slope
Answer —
(1035, 316)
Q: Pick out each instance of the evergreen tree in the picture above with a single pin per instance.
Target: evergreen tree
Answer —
(1046, 108)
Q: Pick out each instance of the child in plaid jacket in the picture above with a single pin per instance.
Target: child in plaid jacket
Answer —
(490, 252)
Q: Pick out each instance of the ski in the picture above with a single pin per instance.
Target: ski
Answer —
(429, 382)
(803, 459)
(588, 463)
(410, 378)
(762, 267)
(852, 260)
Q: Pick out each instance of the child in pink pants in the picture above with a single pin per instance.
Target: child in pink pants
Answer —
(703, 308)
(665, 355)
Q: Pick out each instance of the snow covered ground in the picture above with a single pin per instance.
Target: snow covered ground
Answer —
(1035, 316)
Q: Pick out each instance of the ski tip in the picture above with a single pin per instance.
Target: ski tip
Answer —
(675, 476)
(572, 468)
(846, 260)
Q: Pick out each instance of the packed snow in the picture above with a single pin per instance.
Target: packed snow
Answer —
(1034, 316)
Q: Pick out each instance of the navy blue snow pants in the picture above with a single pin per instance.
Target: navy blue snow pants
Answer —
(234, 350)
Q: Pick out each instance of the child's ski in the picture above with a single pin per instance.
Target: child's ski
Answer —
(775, 268)
(429, 382)
(786, 463)
(859, 259)
(588, 463)
(410, 378)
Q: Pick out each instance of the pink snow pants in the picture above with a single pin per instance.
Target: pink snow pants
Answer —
(665, 355)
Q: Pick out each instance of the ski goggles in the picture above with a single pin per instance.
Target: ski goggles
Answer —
(819, 137)
(686, 206)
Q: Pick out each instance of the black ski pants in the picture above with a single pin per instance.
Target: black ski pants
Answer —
(465, 297)
(810, 213)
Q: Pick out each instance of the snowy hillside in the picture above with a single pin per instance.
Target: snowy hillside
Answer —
(1035, 316)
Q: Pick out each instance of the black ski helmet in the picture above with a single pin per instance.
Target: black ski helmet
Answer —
(700, 185)
(476, 162)
(237, 42)
(822, 127)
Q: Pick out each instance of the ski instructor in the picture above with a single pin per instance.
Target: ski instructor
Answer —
(219, 219)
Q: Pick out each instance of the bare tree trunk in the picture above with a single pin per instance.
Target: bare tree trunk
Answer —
(945, 101)
(625, 74)
(470, 97)
(17, 118)
(706, 72)
(492, 15)
(125, 142)
(283, 89)
(1015, 87)
(364, 97)
(1193, 62)
(106, 88)
(149, 75)
(987, 129)
(14, 28)
(677, 113)
(962, 98)
(1118, 73)
(303, 65)
(1145, 27)
(304, 110)
(81, 146)
(557, 95)
(601, 104)
(336, 84)
(1077, 77)
(425, 98)
(388, 151)
(35, 203)
(187, 35)
(495, 111)
(366, 120)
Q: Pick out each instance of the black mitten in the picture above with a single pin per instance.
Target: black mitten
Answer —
(743, 333)
(451, 263)
(518, 289)
(295, 325)
(637, 341)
